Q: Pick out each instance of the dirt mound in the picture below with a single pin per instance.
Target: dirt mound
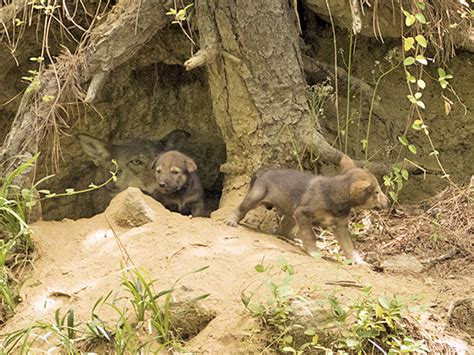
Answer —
(80, 261)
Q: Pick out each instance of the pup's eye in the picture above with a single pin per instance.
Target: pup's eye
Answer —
(158, 171)
(136, 162)
(174, 172)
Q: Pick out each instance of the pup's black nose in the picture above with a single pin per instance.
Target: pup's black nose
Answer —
(161, 184)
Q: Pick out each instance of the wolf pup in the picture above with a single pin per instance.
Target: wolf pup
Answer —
(306, 199)
(178, 186)
(134, 159)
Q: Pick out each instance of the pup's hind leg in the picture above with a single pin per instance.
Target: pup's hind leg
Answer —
(303, 220)
(286, 225)
(252, 200)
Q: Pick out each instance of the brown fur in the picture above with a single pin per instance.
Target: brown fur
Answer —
(178, 186)
(305, 199)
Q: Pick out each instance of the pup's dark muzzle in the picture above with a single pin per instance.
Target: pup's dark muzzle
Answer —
(165, 188)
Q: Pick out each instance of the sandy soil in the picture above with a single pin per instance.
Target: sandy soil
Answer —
(79, 261)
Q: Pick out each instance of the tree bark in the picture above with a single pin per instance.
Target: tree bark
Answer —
(259, 99)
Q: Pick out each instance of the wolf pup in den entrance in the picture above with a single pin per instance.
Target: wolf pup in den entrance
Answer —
(306, 199)
(134, 159)
(178, 186)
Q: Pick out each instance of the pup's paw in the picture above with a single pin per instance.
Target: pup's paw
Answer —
(231, 221)
(357, 259)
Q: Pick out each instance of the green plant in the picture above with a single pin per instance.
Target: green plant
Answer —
(16, 205)
(415, 46)
(180, 17)
(151, 329)
(374, 324)
(395, 180)
(276, 311)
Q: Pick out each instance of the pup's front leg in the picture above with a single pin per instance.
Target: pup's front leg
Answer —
(343, 236)
(197, 208)
(303, 220)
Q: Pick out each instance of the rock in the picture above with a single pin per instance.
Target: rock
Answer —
(131, 208)
(310, 314)
(402, 263)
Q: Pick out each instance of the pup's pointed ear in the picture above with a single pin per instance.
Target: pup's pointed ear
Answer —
(190, 165)
(346, 163)
(360, 189)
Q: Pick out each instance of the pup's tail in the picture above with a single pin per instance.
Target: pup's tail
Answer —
(256, 175)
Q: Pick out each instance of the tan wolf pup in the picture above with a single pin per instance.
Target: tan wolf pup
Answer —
(306, 199)
(178, 186)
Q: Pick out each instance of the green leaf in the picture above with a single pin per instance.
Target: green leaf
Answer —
(408, 43)
(421, 104)
(384, 302)
(421, 59)
(30, 204)
(69, 191)
(288, 349)
(245, 300)
(421, 5)
(403, 140)
(443, 83)
(309, 332)
(421, 83)
(412, 148)
(256, 308)
(411, 78)
(412, 99)
(418, 95)
(408, 61)
(409, 19)
(421, 40)
(352, 343)
(393, 195)
(417, 125)
(259, 268)
(420, 17)
(405, 174)
(378, 311)
(441, 73)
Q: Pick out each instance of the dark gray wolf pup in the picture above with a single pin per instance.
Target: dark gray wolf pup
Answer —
(305, 199)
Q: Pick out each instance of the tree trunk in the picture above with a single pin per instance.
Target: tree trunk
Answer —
(258, 87)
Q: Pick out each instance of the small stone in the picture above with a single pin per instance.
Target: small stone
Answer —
(402, 263)
(130, 209)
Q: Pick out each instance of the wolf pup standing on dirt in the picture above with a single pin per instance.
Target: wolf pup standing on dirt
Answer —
(306, 199)
(178, 186)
